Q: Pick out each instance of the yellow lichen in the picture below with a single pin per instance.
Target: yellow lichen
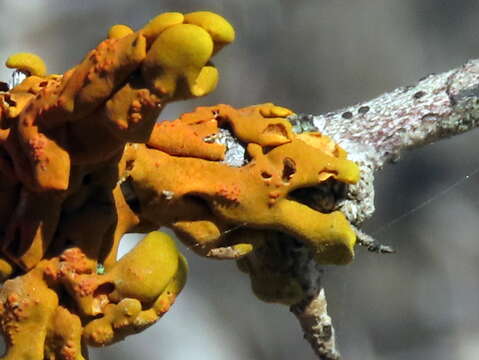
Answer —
(180, 51)
(257, 194)
(118, 31)
(30, 64)
(61, 141)
(83, 162)
(220, 30)
(161, 22)
(144, 273)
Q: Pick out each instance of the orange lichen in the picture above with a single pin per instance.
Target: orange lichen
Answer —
(257, 194)
(83, 161)
(180, 139)
(61, 141)
(34, 322)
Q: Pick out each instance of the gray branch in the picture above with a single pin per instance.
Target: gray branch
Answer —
(374, 133)
(438, 106)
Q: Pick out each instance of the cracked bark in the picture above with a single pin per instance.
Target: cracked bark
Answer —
(374, 133)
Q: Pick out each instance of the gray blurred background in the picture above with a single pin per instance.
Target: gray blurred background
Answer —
(315, 56)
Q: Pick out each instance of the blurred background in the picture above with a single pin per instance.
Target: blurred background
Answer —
(315, 56)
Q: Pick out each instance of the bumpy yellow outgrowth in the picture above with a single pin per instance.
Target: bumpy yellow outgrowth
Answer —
(142, 287)
(146, 282)
(220, 30)
(118, 31)
(29, 63)
(182, 49)
(161, 22)
(145, 271)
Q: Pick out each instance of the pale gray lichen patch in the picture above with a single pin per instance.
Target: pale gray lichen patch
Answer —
(235, 155)
(17, 77)
(302, 123)
(168, 194)
(226, 253)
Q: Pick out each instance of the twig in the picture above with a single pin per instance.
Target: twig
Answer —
(317, 325)
(371, 243)
(312, 312)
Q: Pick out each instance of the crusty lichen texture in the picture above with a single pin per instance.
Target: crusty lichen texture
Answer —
(83, 161)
